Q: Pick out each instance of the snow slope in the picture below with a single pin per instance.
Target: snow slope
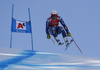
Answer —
(15, 59)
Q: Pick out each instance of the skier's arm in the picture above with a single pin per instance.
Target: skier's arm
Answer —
(47, 26)
(65, 27)
(63, 24)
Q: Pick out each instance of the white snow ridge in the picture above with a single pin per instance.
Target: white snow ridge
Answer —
(14, 59)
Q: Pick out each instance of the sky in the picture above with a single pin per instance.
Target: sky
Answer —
(82, 18)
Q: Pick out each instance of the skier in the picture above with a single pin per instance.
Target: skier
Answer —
(52, 28)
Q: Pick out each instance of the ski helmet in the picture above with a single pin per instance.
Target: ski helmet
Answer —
(54, 12)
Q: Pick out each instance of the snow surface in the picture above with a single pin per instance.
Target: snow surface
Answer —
(15, 59)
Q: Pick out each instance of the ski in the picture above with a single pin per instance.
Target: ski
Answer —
(69, 44)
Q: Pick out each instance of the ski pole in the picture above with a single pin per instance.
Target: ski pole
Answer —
(77, 45)
(52, 40)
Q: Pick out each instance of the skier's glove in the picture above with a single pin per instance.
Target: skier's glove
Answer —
(68, 34)
(48, 36)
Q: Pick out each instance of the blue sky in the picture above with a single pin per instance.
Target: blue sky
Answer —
(82, 17)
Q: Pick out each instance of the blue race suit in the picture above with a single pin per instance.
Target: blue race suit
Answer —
(53, 28)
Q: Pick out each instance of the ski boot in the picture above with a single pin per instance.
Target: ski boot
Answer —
(66, 41)
(58, 41)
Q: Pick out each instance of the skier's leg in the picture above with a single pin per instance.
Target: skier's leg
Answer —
(66, 41)
(54, 33)
(61, 30)
(58, 41)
